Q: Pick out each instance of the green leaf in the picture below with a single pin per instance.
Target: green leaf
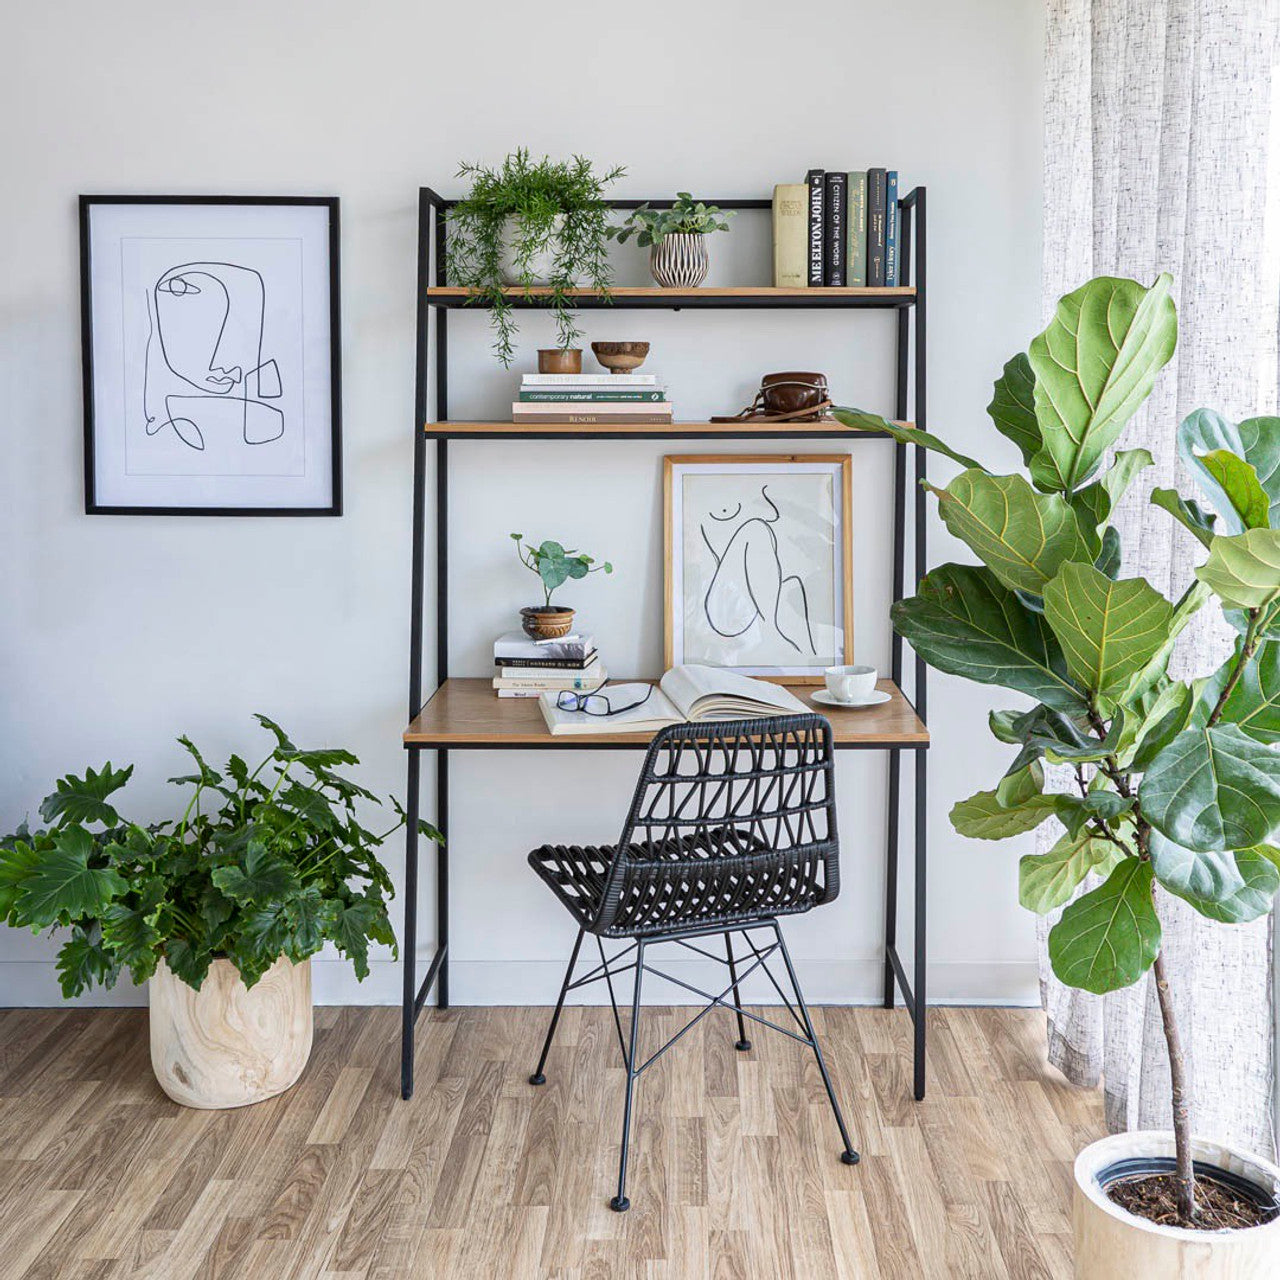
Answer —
(310, 805)
(1101, 805)
(309, 916)
(1231, 888)
(282, 738)
(1244, 571)
(1013, 408)
(1047, 880)
(353, 928)
(83, 961)
(1185, 512)
(1015, 807)
(1256, 441)
(1060, 738)
(1098, 500)
(1108, 938)
(63, 887)
(18, 860)
(965, 622)
(133, 939)
(1213, 789)
(861, 420)
(261, 877)
(1108, 630)
(1022, 536)
(85, 799)
(1149, 676)
(188, 963)
(1108, 561)
(1254, 704)
(1165, 714)
(1094, 365)
(1239, 481)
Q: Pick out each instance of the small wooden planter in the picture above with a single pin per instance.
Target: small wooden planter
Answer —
(227, 1045)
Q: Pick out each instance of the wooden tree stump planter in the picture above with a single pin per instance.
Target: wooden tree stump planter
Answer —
(227, 1045)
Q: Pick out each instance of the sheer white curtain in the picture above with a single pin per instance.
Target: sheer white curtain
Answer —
(1160, 155)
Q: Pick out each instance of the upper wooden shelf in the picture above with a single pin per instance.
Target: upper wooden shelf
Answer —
(465, 712)
(825, 429)
(724, 298)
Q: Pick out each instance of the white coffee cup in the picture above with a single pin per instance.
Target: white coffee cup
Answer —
(850, 684)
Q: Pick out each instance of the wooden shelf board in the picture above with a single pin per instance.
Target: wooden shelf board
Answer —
(653, 296)
(827, 428)
(465, 712)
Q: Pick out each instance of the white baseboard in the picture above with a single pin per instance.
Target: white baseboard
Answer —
(34, 983)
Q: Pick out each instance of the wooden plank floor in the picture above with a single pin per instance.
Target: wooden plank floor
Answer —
(734, 1168)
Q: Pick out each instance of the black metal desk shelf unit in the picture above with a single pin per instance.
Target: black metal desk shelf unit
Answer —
(434, 301)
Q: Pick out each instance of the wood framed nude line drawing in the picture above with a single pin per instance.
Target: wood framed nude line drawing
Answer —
(757, 564)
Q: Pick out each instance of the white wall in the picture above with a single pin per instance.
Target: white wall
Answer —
(120, 633)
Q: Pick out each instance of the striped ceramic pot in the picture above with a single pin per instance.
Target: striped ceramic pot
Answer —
(681, 261)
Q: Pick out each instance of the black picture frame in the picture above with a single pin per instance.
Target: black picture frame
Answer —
(92, 505)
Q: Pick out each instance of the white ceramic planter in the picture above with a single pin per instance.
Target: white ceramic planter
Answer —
(227, 1045)
(1112, 1244)
(541, 265)
(681, 261)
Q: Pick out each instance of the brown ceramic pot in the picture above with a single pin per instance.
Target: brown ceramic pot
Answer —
(546, 621)
(560, 360)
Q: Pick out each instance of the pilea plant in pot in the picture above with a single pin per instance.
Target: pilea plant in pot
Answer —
(219, 910)
(554, 567)
(1174, 784)
(530, 223)
(676, 239)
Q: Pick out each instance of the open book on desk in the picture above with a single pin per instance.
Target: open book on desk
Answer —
(686, 693)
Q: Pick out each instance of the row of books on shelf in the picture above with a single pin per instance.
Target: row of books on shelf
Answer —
(591, 398)
(838, 228)
(524, 668)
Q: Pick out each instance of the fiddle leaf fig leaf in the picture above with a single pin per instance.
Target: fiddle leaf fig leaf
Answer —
(1166, 715)
(1014, 807)
(1108, 938)
(1098, 500)
(1108, 561)
(1108, 630)
(1256, 442)
(904, 433)
(1254, 704)
(1075, 812)
(1239, 481)
(63, 887)
(1150, 675)
(1058, 737)
(1231, 888)
(965, 622)
(1094, 365)
(1022, 536)
(1256, 896)
(1186, 513)
(1244, 571)
(85, 799)
(1047, 880)
(1013, 407)
(1213, 789)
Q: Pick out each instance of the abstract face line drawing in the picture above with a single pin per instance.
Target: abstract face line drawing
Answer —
(206, 332)
(750, 583)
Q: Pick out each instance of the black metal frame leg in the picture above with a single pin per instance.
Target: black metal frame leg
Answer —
(620, 1203)
(743, 1043)
(538, 1077)
(409, 941)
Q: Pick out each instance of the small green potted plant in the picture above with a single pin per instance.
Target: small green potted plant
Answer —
(1174, 784)
(219, 911)
(676, 239)
(554, 567)
(530, 223)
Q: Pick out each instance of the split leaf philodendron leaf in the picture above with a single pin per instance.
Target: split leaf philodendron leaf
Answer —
(1093, 366)
(63, 887)
(1109, 937)
(1230, 887)
(1047, 880)
(85, 799)
(861, 420)
(1213, 789)
(1256, 441)
(1013, 407)
(1244, 571)
(1186, 513)
(965, 622)
(1108, 630)
(1239, 481)
(1014, 807)
(1022, 536)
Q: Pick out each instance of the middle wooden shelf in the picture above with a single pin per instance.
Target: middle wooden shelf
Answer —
(823, 430)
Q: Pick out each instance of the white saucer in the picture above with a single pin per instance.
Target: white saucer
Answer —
(829, 700)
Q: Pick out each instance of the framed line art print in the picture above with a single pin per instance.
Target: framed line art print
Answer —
(758, 563)
(211, 353)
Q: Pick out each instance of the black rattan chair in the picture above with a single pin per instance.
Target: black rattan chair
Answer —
(732, 825)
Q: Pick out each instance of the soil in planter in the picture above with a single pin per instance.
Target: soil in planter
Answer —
(1155, 1198)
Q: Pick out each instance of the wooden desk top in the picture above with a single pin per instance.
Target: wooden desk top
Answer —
(465, 712)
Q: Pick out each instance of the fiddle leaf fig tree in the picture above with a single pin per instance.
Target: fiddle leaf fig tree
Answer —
(1176, 784)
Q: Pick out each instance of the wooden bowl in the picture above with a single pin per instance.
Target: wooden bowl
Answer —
(543, 622)
(560, 360)
(620, 357)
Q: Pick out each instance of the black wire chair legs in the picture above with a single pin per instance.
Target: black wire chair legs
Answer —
(743, 1043)
(620, 1203)
(538, 1077)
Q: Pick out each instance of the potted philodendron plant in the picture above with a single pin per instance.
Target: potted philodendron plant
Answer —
(1174, 784)
(530, 223)
(554, 567)
(219, 911)
(676, 239)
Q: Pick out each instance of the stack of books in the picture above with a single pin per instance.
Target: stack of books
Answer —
(524, 668)
(837, 228)
(592, 399)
